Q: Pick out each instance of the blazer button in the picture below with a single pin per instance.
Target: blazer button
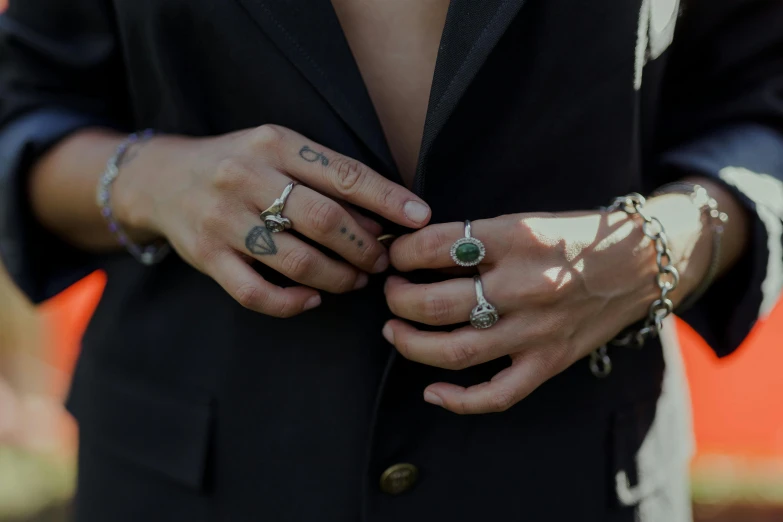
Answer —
(399, 478)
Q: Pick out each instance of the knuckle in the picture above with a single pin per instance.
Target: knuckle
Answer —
(248, 295)
(385, 195)
(205, 251)
(231, 175)
(266, 138)
(459, 355)
(503, 399)
(429, 245)
(324, 216)
(298, 264)
(349, 175)
(282, 308)
(436, 309)
(370, 254)
(346, 283)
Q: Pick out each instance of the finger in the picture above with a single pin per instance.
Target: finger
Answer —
(252, 291)
(329, 224)
(342, 177)
(455, 350)
(447, 302)
(370, 225)
(297, 260)
(528, 371)
(430, 247)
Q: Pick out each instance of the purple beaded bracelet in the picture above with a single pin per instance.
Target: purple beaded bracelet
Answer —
(144, 254)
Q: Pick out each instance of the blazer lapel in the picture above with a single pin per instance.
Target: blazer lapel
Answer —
(309, 34)
(472, 30)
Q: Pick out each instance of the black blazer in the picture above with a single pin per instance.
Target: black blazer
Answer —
(193, 408)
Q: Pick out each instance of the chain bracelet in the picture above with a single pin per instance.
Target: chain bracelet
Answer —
(667, 280)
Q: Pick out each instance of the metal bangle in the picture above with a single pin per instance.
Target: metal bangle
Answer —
(144, 254)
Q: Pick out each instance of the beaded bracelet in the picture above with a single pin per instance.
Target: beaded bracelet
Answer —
(144, 254)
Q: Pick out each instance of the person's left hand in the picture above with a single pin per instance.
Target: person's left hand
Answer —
(563, 285)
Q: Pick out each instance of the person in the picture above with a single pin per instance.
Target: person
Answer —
(383, 221)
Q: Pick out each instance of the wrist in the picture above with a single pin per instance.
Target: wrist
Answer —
(145, 169)
(689, 237)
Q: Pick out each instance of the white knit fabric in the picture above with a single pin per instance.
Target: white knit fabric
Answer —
(662, 493)
(655, 32)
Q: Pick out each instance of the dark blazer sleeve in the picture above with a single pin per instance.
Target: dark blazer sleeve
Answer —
(60, 71)
(722, 117)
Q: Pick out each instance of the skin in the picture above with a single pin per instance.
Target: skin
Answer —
(205, 196)
(562, 283)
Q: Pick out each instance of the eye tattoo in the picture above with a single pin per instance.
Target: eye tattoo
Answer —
(312, 156)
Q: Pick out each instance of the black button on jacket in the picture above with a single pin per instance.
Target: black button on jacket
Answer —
(194, 409)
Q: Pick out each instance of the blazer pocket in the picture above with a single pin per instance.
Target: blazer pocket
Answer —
(154, 425)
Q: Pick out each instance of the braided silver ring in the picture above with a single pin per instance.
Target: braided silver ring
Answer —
(484, 314)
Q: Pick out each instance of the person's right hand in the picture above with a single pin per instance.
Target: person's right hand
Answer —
(206, 195)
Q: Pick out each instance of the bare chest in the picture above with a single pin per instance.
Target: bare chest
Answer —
(395, 44)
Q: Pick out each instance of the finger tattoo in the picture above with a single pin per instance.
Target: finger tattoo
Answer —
(312, 156)
(351, 237)
(259, 241)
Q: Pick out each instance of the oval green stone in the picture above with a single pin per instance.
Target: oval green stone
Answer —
(468, 252)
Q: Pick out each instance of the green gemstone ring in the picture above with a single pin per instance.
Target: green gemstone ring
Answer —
(467, 251)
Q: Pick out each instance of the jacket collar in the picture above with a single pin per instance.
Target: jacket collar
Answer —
(310, 36)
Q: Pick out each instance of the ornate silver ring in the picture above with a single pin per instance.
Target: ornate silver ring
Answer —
(484, 314)
(273, 216)
(467, 251)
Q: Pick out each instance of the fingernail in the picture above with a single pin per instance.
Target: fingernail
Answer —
(417, 212)
(361, 281)
(388, 334)
(432, 398)
(312, 302)
(381, 265)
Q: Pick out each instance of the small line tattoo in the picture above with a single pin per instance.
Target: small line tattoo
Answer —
(360, 243)
(259, 241)
(312, 156)
(352, 237)
(343, 230)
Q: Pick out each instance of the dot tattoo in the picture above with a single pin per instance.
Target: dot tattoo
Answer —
(312, 156)
(343, 230)
(352, 237)
(360, 243)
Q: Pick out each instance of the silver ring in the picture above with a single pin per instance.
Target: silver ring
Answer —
(484, 314)
(467, 251)
(273, 216)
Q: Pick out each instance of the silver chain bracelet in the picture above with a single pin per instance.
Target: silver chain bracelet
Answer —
(668, 277)
(667, 280)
